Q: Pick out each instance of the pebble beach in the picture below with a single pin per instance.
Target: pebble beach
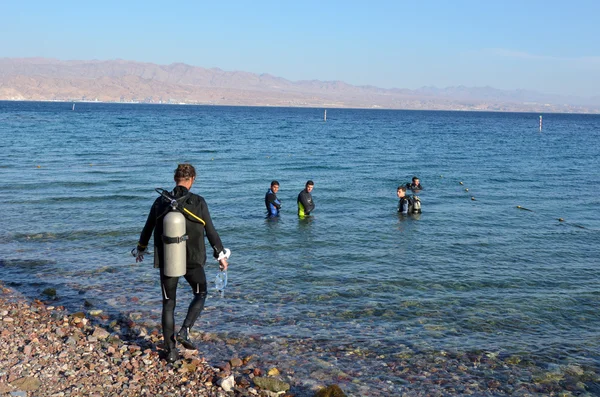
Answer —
(48, 351)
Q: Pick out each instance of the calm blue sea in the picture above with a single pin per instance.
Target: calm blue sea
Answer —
(472, 273)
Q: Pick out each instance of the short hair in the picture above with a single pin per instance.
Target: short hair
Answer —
(274, 183)
(184, 171)
(310, 183)
(415, 178)
(401, 187)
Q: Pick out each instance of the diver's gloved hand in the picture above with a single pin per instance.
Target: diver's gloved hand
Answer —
(225, 254)
(222, 258)
(138, 252)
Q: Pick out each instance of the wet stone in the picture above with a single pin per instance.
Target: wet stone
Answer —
(575, 370)
(135, 316)
(49, 292)
(100, 333)
(271, 384)
(227, 384)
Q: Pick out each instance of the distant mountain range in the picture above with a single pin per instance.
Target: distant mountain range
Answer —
(43, 79)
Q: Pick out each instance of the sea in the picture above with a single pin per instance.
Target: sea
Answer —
(493, 289)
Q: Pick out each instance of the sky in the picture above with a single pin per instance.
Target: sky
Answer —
(547, 46)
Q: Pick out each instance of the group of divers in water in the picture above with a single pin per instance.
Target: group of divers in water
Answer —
(179, 220)
(407, 204)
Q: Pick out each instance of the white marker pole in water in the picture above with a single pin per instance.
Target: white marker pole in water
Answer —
(540, 123)
(325, 117)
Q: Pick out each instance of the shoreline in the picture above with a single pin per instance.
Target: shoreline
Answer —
(316, 106)
(48, 350)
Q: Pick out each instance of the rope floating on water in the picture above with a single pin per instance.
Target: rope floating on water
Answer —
(523, 208)
(562, 220)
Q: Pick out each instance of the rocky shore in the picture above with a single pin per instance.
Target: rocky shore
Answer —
(47, 351)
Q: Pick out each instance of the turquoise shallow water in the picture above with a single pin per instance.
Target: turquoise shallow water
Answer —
(465, 275)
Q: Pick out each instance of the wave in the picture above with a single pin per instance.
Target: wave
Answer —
(81, 200)
(74, 235)
(25, 263)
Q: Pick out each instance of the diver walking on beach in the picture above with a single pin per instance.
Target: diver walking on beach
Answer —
(305, 201)
(195, 222)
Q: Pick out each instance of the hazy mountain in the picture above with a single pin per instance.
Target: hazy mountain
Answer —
(130, 81)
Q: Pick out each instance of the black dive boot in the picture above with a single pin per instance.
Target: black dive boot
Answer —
(172, 355)
(183, 337)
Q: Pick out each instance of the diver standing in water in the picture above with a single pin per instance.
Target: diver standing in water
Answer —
(410, 204)
(180, 253)
(404, 203)
(415, 186)
(272, 203)
(305, 200)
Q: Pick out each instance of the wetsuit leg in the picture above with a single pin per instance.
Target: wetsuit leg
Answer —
(197, 280)
(169, 295)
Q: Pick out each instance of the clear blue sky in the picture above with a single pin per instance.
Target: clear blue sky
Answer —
(548, 46)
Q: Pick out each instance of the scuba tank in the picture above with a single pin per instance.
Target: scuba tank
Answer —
(174, 239)
(416, 206)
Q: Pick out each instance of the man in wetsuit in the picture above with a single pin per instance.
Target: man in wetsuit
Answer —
(404, 204)
(197, 224)
(305, 200)
(415, 186)
(271, 201)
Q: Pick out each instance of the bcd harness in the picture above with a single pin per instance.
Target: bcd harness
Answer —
(176, 204)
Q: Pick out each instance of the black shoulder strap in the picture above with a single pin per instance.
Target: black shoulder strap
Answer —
(169, 197)
(181, 200)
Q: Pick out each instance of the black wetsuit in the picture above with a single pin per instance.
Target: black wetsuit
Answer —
(272, 203)
(195, 256)
(405, 205)
(413, 187)
(305, 203)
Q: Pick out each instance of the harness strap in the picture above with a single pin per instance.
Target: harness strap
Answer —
(167, 196)
(174, 240)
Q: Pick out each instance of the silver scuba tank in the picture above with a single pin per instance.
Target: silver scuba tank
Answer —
(416, 205)
(174, 244)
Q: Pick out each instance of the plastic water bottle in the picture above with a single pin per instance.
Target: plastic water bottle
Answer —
(221, 282)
